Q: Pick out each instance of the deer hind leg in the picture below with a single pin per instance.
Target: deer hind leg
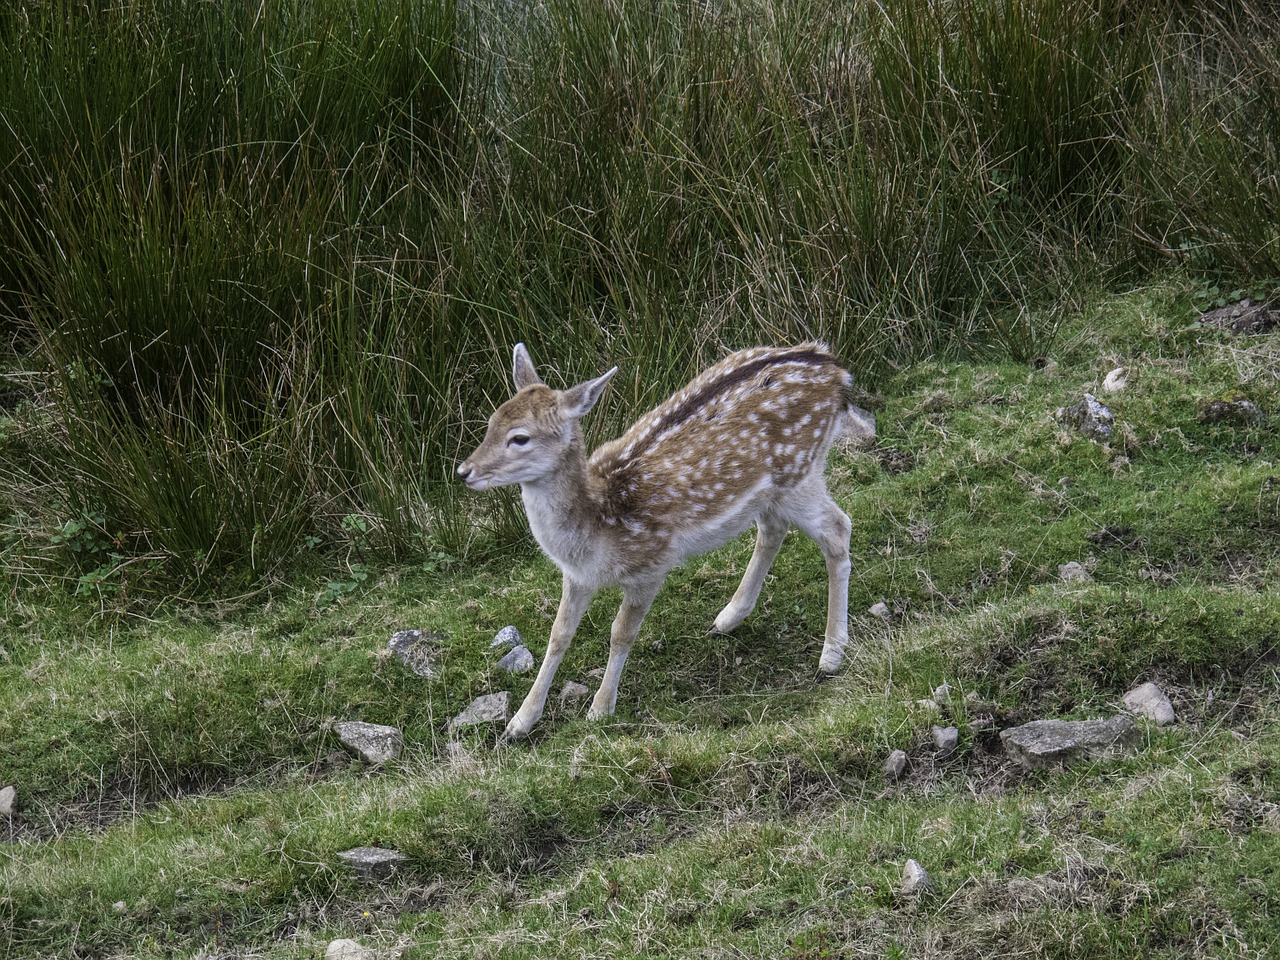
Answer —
(771, 530)
(636, 601)
(829, 526)
(574, 600)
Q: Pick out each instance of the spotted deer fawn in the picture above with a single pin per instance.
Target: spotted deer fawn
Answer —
(746, 442)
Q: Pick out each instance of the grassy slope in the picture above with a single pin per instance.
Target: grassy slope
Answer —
(178, 790)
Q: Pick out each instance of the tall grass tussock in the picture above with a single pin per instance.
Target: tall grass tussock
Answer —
(259, 264)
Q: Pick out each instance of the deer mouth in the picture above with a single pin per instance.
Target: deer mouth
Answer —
(473, 478)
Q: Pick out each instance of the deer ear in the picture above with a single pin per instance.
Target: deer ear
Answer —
(522, 371)
(577, 401)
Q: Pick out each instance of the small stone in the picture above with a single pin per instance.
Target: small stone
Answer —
(1150, 701)
(946, 739)
(1073, 572)
(595, 673)
(895, 766)
(8, 799)
(1115, 381)
(1042, 744)
(880, 610)
(574, 693)
(518, 660)
(506, 637)
(915, 879)
(119, 906)
(942, 694)
(1232, 409)
(371, 742)
(928, 704)
(490, 708)
(1088, 417)
(347, 950)
(372, 863)
(414, 651)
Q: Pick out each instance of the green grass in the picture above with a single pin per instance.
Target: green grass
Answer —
(264, 272)
(179, 791)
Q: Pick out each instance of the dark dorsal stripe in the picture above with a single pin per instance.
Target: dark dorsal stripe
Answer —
(736, 376)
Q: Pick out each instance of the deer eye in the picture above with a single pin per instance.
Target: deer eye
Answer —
(517, 440)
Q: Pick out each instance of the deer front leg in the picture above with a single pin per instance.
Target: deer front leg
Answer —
(830, 527)
(574, 600)
(636, 601)
(770, 532)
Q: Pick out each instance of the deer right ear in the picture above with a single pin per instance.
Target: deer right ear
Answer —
(522, 371)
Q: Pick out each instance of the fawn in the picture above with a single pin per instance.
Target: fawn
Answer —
(745, 442)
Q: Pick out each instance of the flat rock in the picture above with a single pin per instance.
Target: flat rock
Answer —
(8, 798)
(942, 694)
(1244, 317)
(880, 610)
(507, 637)
(946, 739)
(1043, 744)
(413, 648)
(490, 708)
(915, 879)
(371, 742)
(573, 693)
(1088, 417)
(1073, 572)
(347, 950)
(372, 863)
(895, 766)
(518, 660)
(1230, 410)
(1150, 701)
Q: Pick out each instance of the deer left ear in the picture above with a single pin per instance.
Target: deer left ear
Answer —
(577, 401)
(522, 371)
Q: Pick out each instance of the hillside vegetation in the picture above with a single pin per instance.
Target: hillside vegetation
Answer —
(261, 269)
(181, 790)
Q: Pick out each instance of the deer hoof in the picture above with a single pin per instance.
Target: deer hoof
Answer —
(517, 729)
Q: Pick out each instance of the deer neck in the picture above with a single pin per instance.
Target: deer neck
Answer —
(563, 506)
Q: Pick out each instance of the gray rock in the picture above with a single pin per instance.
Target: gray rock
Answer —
(1231, 410)
(895, 766)
(1073, 572)
(506, 637)
(518, 660)
(371, 742)
(942, 694)
(413, 647)
(1088, 418)
(347, 950)
(372, 863)
(880, 610)
(119, 906)
(8, 799)
(915, 879)
(1149, 701)
(946, 739)
(574, 693)
(490, 708)
(1043, 744)
(928, 704)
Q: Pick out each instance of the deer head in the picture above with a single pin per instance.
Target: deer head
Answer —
(528, 436)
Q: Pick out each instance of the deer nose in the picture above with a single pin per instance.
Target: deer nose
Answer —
(464, 470)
